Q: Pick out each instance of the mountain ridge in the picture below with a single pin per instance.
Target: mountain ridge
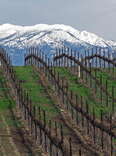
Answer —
(84, 36)
(16, 38)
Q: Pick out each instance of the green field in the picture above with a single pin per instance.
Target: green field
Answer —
(31, 82)
(5, 103)
(37, 93)
(80, 88)
(10, 125)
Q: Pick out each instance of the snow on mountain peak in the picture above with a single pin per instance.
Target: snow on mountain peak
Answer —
(10, 34)
(16, 39)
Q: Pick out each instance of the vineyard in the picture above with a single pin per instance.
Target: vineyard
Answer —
(64, 106)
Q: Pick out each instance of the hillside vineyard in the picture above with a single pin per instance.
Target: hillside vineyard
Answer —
(62, 104)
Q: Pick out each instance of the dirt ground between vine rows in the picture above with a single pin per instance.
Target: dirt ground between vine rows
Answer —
(15, 140)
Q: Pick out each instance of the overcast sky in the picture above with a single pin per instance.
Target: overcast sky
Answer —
(97, 16)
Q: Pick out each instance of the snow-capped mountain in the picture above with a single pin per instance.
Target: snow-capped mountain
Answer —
(16, 39)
